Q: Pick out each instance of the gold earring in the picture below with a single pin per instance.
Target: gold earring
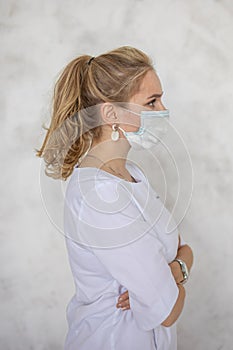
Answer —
(115, 132)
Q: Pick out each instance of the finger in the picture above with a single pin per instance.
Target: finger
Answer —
(126, 308)
(124, 296)
(123, 304)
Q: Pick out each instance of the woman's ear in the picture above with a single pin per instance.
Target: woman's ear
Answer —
(109, 113)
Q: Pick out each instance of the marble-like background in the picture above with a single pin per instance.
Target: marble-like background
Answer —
(191, 44)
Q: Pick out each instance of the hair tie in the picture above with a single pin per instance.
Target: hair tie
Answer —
(89, 62)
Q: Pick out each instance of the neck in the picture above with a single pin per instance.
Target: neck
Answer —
(112, 153)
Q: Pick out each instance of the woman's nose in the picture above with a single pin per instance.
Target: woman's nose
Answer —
(161, 106)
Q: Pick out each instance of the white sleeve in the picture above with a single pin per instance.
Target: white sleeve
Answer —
(135, 257)
(141, 267)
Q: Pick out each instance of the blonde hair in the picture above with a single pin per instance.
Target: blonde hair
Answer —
(86, 81)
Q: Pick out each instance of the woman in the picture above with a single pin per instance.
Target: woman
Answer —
(128, 272)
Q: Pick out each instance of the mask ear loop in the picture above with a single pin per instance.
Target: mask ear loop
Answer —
(129, 110)
(141, 128)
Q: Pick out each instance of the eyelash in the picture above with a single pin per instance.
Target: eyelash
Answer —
(153, 101)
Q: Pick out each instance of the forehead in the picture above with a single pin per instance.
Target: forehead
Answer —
(150, 84)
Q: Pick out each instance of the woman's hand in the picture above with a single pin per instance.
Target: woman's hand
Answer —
(124, 303)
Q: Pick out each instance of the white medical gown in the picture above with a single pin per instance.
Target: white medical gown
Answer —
(118, 239)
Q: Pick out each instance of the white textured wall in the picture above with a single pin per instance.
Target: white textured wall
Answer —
(191, 44)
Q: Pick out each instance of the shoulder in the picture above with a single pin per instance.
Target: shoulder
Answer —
(96, 189)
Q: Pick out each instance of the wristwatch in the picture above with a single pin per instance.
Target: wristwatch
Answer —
(184, 270)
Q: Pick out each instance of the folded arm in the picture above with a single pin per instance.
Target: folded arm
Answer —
(184, 253)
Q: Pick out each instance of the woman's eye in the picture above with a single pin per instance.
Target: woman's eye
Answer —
(151, 103)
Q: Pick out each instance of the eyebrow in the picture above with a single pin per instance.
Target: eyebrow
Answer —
(155, 95)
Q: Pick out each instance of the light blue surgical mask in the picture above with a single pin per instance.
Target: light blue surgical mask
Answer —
(153, 127)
